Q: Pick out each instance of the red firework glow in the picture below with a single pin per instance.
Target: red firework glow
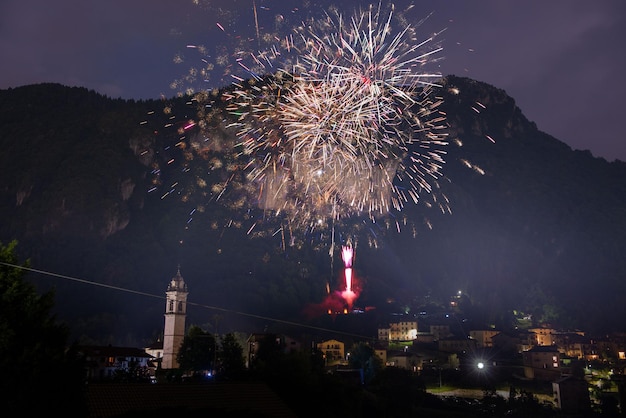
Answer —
(342, 300)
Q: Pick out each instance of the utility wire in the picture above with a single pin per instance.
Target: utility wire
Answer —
(62, 276)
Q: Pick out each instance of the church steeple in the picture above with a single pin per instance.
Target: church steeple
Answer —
(177, 283)
(175, 313)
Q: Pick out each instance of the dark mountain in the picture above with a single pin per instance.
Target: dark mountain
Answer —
(121, 193)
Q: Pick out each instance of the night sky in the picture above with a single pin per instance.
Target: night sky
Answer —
(563, 61)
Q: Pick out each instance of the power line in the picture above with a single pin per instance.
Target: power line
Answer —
(137, 292)
(62, 276)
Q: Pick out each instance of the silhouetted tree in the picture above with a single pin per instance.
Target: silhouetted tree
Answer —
(197, 351)
(39, 374)
(363, 357)
(232, 364)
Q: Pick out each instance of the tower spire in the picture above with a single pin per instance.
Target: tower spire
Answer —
(175, 314)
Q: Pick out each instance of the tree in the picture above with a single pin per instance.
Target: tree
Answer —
(363, 357)
(39, 372)
(197, 351)
(232, 363)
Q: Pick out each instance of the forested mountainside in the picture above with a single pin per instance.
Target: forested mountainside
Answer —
(113, 192)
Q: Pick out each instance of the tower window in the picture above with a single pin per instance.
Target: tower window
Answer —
(171, 307)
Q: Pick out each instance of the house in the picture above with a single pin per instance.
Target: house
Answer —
(425, 338)
(398, 331)
(577, 345)
(404, 359)
(457, 345)
(108, 363)
(270, 342)
(381, 353)
(542, 363)
(440, 331)
(432, 358)
(403, 331)
(156, 351)
(333, 352)
(383, 334)
(483, 337)
(515, 341)
(545, 336)
(612, 347)
(572, 395)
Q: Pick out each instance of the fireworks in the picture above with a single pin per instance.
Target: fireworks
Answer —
(347, 254)
(352, 116)
(336, 119)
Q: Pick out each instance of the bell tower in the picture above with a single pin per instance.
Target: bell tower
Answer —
(175, 313)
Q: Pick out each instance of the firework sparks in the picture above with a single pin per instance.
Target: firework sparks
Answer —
(336, 118)
(352, 116)
(346, 256)
(349, 295)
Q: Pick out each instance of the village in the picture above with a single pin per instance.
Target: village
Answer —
(566, 369)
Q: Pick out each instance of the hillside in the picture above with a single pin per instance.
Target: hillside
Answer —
(106, 191)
